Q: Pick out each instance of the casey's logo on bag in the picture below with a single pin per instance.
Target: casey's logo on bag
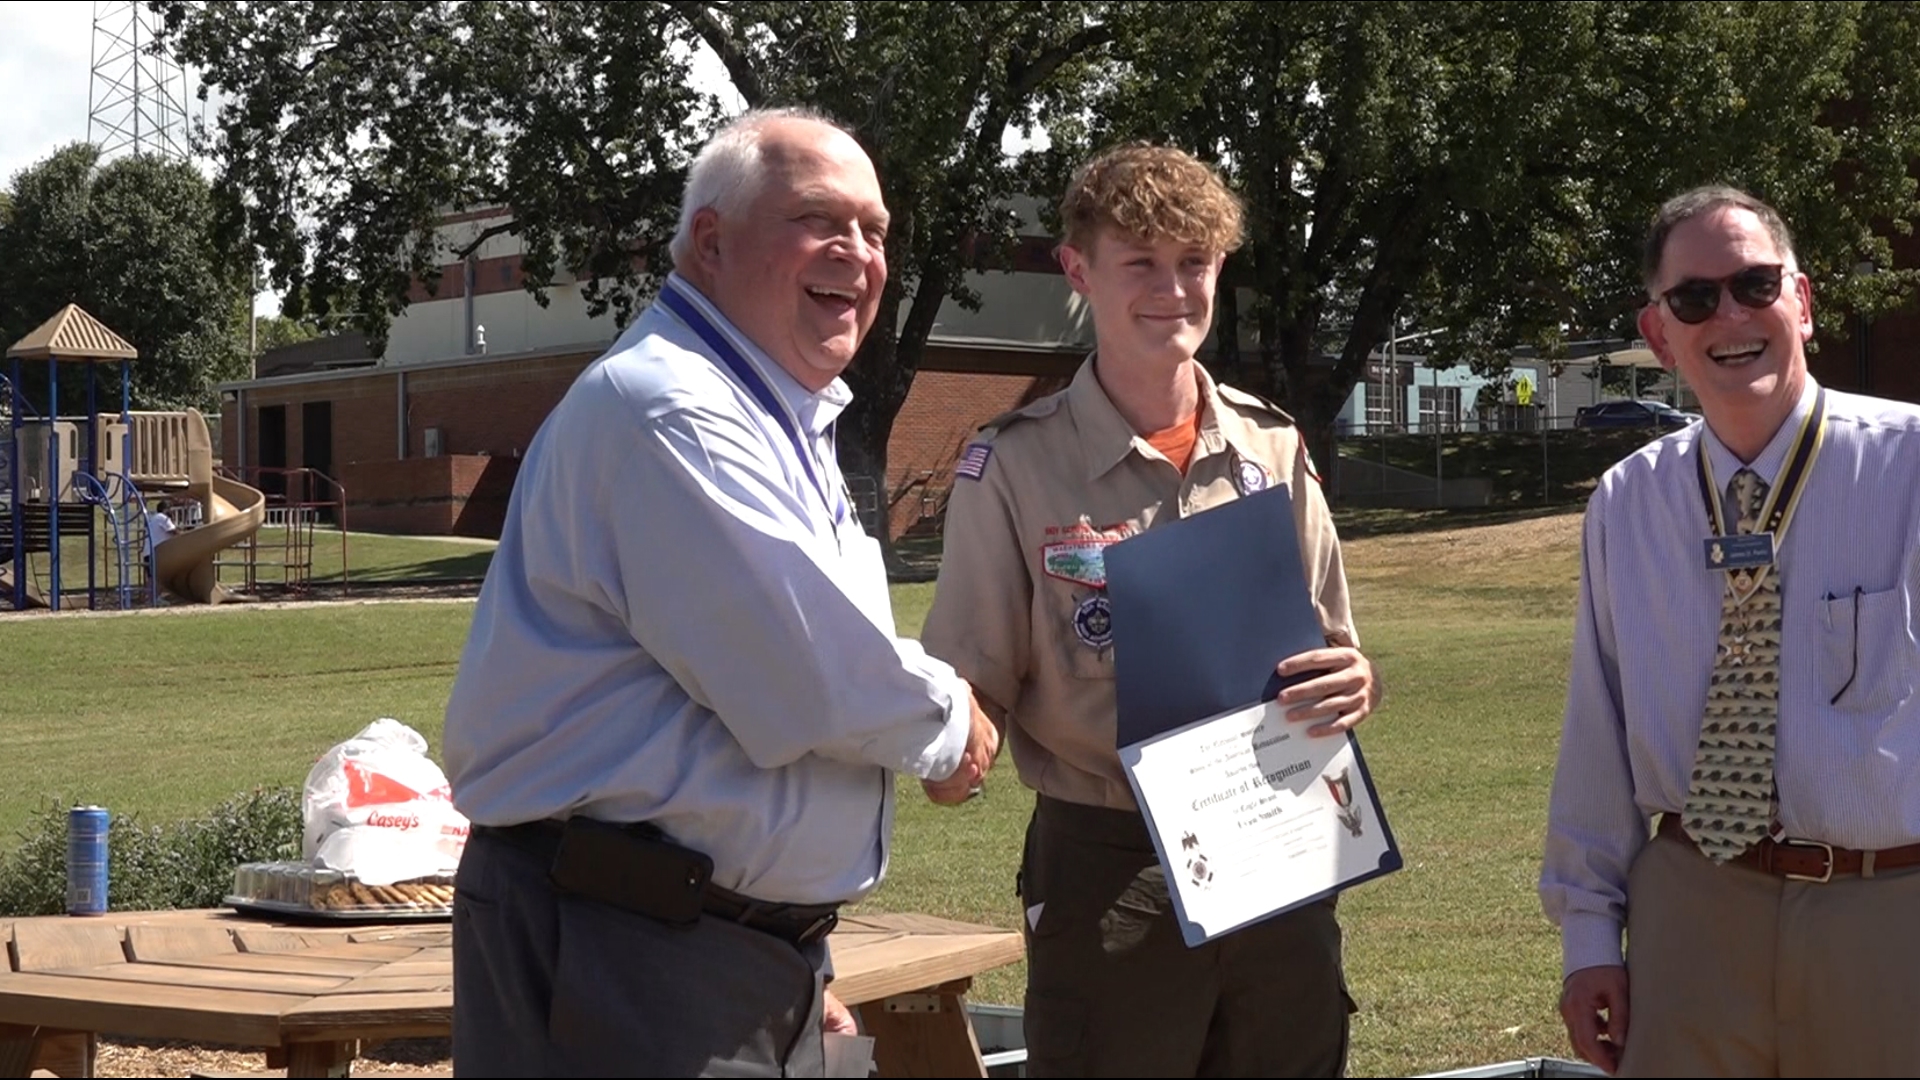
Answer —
(367, 787)
(393, 821)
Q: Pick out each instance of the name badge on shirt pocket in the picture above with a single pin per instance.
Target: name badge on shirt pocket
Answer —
(1739, 552)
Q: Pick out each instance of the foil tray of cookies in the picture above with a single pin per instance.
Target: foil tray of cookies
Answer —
(301, 890)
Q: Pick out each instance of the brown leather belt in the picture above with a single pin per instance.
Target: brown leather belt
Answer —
(1806, 860)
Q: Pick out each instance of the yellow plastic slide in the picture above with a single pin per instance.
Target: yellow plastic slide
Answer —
(230, 513)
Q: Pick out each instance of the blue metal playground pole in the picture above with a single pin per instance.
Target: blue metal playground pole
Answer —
(17, 511)
(53, 480)
(93, 470)
(126, 467)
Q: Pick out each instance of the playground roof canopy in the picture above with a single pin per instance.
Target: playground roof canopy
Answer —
(73, 336)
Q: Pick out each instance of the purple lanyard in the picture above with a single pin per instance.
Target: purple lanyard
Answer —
(762, 393)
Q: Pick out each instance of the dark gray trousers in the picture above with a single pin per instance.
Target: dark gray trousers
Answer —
(547, 984)
(1113, 989)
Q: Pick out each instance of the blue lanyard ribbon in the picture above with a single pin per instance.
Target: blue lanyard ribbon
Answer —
(744, 371)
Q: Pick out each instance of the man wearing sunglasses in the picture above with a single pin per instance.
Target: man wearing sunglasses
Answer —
(1739, 779)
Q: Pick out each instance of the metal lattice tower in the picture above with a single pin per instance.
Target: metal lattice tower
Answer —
(137, 102)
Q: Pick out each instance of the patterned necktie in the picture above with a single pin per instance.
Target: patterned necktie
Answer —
(1730, 805)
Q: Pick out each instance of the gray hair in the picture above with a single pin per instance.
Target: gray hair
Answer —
(1700, 200)
(725, 174)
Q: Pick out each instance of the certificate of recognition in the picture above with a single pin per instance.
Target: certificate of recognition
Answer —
(1253, 817)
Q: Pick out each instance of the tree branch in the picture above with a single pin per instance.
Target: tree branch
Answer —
(1025, 80)
(486, 234)
(739, 67)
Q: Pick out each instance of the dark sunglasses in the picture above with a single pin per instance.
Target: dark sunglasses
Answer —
(1694, 300)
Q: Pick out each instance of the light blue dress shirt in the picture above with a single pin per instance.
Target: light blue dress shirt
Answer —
(1848, 770)
(676, 629)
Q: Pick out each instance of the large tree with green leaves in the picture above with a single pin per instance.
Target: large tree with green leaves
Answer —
(1485, 170)
(132, 242)
(932, 91)
(348, 130)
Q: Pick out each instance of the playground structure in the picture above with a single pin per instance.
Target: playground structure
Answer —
(107, 477)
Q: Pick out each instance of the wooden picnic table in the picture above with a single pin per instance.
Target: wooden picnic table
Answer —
(309, 995)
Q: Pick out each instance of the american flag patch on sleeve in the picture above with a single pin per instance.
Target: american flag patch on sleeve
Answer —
(974, 461)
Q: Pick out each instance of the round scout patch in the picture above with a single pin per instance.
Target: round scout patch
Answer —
(1252, 477)
(1093, 621)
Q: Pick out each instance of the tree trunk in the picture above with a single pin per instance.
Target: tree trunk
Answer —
(1314, 395)
(880, 378)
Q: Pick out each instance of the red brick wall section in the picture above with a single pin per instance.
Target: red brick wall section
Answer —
(491, 409)
(460, 495)
(479, 409)
(940, 416)
(488, 413)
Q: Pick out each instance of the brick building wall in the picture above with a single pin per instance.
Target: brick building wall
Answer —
(488, 411)
(456, 495)
(489, 408)
(1885, 367)
(939, 418)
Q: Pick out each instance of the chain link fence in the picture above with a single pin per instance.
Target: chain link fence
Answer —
(1517, 457)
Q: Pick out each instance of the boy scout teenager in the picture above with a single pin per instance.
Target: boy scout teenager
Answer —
(1142, 435)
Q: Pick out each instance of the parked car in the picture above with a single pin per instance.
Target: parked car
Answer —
(1628, 414)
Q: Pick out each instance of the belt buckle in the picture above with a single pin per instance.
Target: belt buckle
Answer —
(1825, 876)
(818, 929)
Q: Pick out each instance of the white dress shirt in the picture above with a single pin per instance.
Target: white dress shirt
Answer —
(1848, 770)
(682, 625)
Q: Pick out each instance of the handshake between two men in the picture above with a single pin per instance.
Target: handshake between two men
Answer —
(983, 745)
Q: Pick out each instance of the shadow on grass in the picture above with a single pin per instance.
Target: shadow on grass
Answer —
(919, 556)
(1356, 523)
(470, 565)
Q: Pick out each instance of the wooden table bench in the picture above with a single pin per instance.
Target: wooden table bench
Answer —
(309, 996)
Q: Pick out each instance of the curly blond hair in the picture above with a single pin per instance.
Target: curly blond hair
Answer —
(1152, 193)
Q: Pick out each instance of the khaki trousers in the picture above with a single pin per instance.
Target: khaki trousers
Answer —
(1733, 972)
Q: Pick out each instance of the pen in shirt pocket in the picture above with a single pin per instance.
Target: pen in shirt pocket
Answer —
(1853, 669)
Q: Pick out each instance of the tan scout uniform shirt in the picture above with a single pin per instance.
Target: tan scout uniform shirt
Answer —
(1020, 609)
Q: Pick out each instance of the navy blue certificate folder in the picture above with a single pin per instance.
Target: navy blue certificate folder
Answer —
(1204, 608)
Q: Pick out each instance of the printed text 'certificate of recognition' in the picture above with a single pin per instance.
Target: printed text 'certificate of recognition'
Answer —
(1254, 817)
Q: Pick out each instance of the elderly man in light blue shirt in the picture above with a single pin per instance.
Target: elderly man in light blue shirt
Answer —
(683, 702)
(1746, 660)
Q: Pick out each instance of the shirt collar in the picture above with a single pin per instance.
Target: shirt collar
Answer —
(1768, 464)
(814, 411)
(1105, 436)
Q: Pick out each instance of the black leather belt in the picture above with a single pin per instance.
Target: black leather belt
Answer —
(799, 924)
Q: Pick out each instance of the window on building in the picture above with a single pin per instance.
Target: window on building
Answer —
(1439, 408)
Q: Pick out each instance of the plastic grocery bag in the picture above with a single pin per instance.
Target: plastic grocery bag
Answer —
(376, 806)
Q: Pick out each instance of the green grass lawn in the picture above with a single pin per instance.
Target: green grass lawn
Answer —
(1450, 959)
(279, 556)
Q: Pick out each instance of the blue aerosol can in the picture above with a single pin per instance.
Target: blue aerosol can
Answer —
(87, 861)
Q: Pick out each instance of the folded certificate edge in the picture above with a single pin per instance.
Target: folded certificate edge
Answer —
(1191, 932)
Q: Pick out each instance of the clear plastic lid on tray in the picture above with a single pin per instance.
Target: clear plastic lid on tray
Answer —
(299, 887)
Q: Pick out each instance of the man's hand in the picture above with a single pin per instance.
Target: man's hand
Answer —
(836, 1018)
(1588, 993)
(1345, 692)
(983, 745)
